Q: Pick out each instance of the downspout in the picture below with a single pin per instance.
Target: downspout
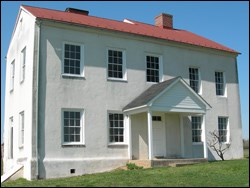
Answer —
(37, 30)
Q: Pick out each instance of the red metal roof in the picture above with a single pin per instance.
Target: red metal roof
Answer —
(137, 28)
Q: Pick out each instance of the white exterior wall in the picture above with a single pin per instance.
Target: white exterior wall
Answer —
(20, 99)
(96, 95)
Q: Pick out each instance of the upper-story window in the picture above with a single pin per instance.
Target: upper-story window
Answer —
(154, 71)
(73, 59)
(116, 64)
(12, 75)
(22, 64)
(194, 79)
(220, 83)
(223, 129)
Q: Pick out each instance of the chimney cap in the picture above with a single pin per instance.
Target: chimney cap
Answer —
(77, 11)
(164, 14)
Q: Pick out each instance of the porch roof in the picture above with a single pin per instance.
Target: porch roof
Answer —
(147, 98)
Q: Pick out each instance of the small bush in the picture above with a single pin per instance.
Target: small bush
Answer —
(133, 166)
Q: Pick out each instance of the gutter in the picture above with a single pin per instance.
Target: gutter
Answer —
(36, 62)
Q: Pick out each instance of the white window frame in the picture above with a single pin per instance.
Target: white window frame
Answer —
(11, 140)
(228, 130)
(199, 81)
(201, 118)
(160, 66)
(125, 124)
(12, 75)
(82, 125)
(124, 68)
(224, 84)
(21, 129)
(82, 74)
(22, 64)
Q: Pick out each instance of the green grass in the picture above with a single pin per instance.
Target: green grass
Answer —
(220, 173)
(246, 153)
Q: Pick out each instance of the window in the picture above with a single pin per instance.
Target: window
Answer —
(194, 79)
(196, 128)
(21, 129)
(12, 75)
(153, 68)
(23, 61)
(116, 128)
(219, 83)
(10, 146)
(156, 118)
(223, 129)
(72, 126)
(73, 59)
(116, 64)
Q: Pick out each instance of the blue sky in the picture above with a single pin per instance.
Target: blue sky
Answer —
(225, 22)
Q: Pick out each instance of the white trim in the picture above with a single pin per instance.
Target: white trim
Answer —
(129, 136)
(82, 125)
(224, 84)
(82, 68)
(199, 76)
(228, 129)
(12, 75)
(150, 135)
(23, 64)
(11, 138)
(124, 129)
(124, 68)
(188, 87)
(204, 138)
(182, 135)
(128, 21)
(21, 129)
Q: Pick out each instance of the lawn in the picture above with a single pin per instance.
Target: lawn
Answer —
(220, 173)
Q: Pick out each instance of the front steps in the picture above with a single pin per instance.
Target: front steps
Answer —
(167, 162)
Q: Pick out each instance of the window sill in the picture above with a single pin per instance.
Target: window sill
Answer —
(117, 80)
(73, 145)
(197, 143)
(72, 76)
(117, 144)
(221, 96)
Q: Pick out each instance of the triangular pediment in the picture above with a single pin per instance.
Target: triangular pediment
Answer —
(179, 98)
(173, 95)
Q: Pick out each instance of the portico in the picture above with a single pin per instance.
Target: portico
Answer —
(159, 121)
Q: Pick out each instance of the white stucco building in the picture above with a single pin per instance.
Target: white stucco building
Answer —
(86, 94)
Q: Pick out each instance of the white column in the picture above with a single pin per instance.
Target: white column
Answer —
(150, 136)
(129, 137)
(204, 136)
(182, 135)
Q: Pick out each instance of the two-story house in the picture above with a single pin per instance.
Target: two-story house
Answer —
(86, 94)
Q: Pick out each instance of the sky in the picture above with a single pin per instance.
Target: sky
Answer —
(225, 22)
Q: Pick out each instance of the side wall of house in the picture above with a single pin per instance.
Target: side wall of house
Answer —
(96, 95)
(20, 99)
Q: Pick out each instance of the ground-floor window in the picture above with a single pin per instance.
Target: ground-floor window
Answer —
(116, 127)
(223, 129)
(196, 128)
(73, 126)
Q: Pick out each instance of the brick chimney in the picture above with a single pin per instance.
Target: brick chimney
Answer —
(77, 11)
(164, 21)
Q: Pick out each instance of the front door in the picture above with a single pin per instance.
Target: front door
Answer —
(159, 144)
